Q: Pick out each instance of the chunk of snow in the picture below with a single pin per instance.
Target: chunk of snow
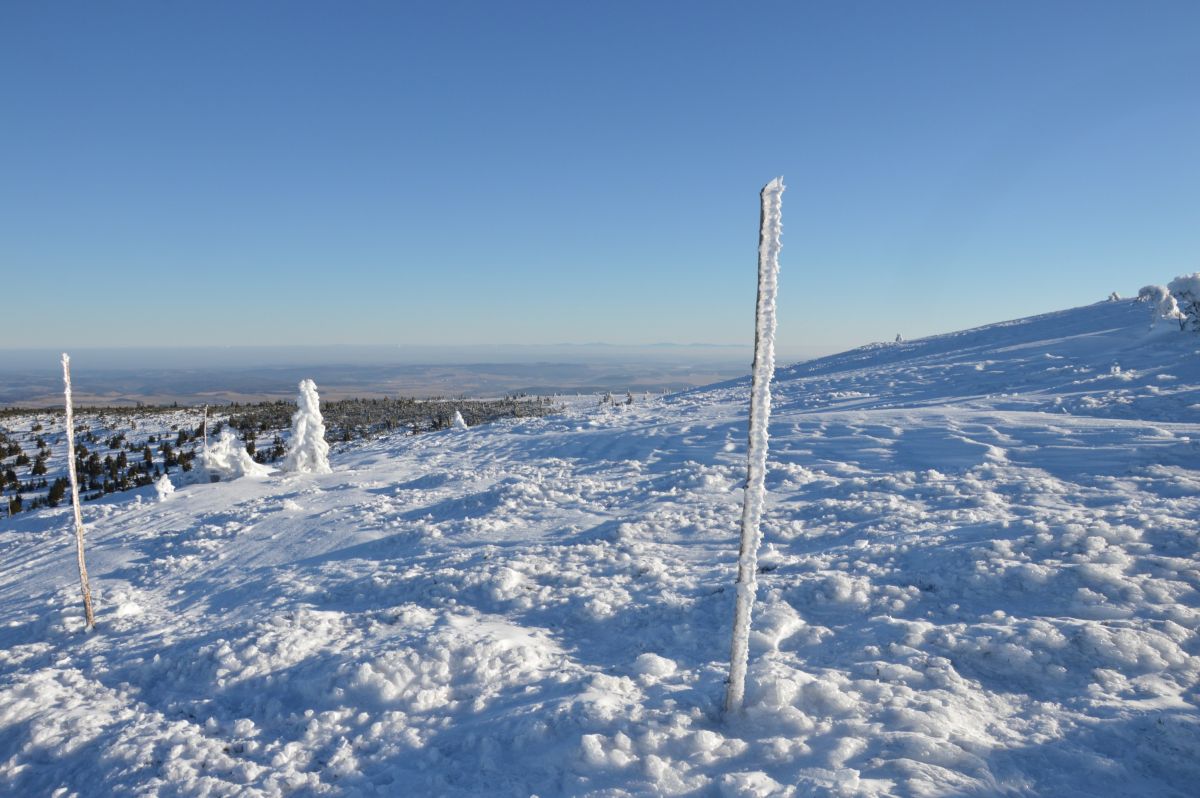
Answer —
(649, 664)
(128, 609)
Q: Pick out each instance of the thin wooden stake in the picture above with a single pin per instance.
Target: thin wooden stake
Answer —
(770, 227)
(83, 575)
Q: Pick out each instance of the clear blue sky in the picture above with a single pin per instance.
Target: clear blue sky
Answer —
(519, 172)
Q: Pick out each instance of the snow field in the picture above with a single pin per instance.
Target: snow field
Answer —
(964, 589)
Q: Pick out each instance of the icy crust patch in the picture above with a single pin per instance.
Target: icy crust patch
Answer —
(101, 737)
(466, 664)
(305, 702)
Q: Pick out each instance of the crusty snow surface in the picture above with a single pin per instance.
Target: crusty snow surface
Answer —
(979, 577)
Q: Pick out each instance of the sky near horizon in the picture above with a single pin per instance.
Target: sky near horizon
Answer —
(544, 172)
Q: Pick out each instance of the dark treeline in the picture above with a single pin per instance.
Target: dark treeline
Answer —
(354, 419)
(118, 448)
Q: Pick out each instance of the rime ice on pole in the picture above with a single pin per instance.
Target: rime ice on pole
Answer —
(89, 616)
(308, 452)
(760, 411)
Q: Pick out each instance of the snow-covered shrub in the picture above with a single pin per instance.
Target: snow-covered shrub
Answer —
(164, 488)
(228, 459)
(307, 451)
(1163, 305)
(459, 422)
(1151, 293)
(1186, 290)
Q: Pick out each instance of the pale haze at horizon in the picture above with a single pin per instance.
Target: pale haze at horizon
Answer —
(533, 173)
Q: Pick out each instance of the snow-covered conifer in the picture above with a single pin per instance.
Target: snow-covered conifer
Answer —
(307, 451)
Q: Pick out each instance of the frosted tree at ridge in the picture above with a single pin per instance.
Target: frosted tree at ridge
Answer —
(307, 451)
(1164, 307)
(1186, 290)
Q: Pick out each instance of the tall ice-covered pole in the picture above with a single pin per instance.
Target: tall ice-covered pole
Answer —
(83, 576)
(770, 229)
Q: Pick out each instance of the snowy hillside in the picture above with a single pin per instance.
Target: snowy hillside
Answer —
(980, 576)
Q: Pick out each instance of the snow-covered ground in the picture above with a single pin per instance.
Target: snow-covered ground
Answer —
(980, 576)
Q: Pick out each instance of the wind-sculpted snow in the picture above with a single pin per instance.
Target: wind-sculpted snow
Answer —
(972, 581)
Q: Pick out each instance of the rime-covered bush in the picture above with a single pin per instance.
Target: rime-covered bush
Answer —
(164, 488)
(227, 458)
(1151, 293)
(307, 451)
(1186, 291)
(1163, 306)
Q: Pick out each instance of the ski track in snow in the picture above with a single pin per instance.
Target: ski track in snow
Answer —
(979, 576)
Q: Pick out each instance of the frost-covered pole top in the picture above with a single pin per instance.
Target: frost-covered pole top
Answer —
(770, 242)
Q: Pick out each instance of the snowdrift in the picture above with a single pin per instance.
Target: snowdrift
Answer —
(979, 576)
